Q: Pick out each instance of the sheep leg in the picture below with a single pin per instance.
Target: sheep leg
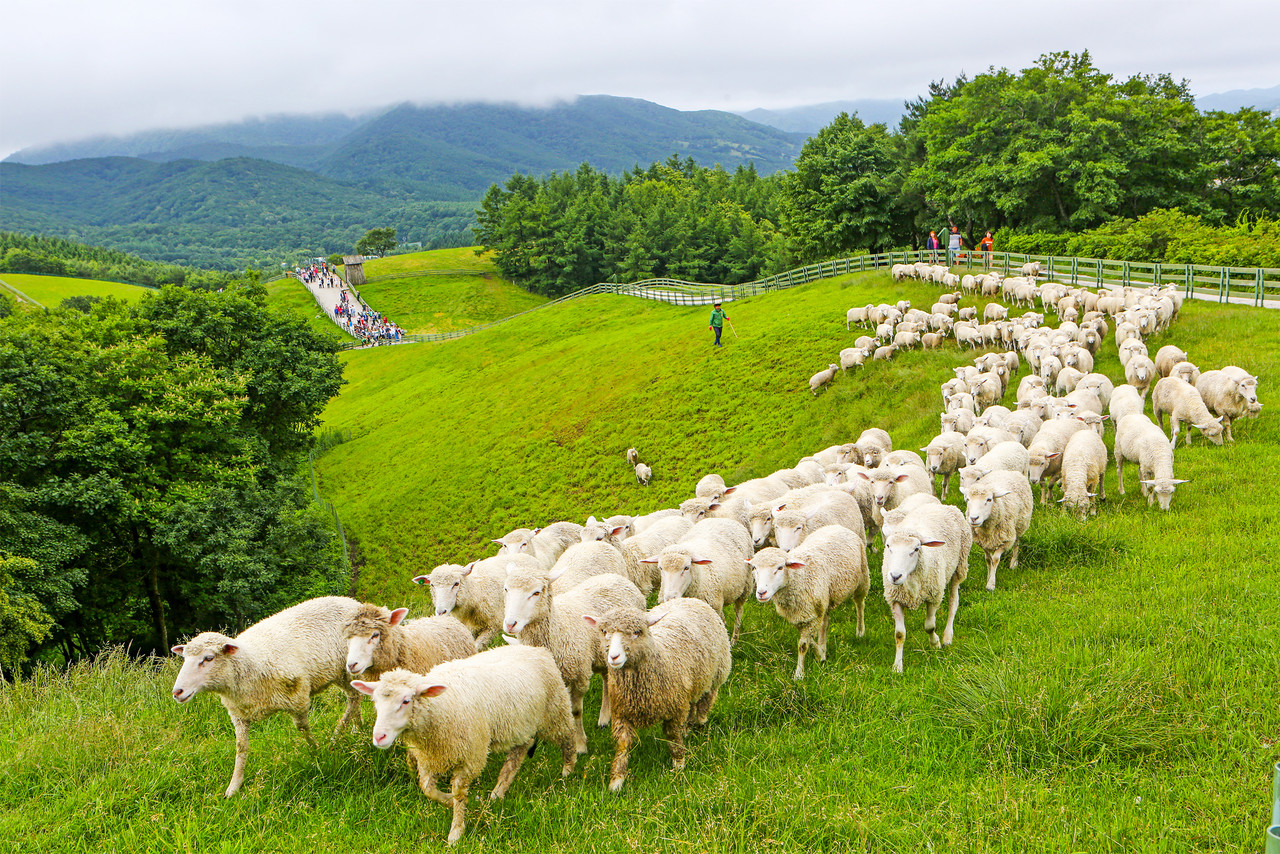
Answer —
(579, 731)
(953, 604)
(931, 623)
(1226, 428)
(946, 484)
(702, 709)
(304, 726)
(860, 603)
(460, 786)
(515, 758)
(427, 783)
(899, 635)
(993, 561)
(352, 712)
(1120, 474)
(807, 640)
(623, 735)
(673, 730)
(606, 711)
(737, 618)
(242, 753)
(482, 639)
(822, 635)
(1013, 554)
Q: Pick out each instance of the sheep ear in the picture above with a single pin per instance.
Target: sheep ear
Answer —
(778, 508)
(556, 572)
(422, 579)
(618, 530)
(652, 618)
(178, 650)
(999, 494)
(715, 505)
(900, 478)
(537, 531)
(429, 690)
(728, 491)
(863, 475)
(398, 615)
(498, 542)
(1052, 456)
(591, 620)
(229, 649)
(591, 520)
(466, 570)
(510, 640)
(648, 560)
(933, 543)
(701, 561)
(364, 687)
(796, 564)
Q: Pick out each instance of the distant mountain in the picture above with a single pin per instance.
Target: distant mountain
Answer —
(811, 118)
(1267, 100)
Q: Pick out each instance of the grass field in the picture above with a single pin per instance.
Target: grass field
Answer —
(292, 296)
(1117, 693)
(442, 290)
(50, 291)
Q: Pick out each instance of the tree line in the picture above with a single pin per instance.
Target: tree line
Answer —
(1058, 149)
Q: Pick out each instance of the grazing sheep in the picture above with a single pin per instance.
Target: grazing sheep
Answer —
(1184, 404)
(925, 557)
(851, 357)
(275, 665)
(805, 584)
(1140, 441)
(503, 700)
(643, 474)
(536, 613)
(999, 509)
(995, 311)
(821, 378)
(665, 666)
(545, 544)
(633, 456)
(931, 340)
(884, 354)
(1045, 454)
(380, 640)
(1168, 356)
(944, 456)
(1228, 393)
(1084, 462)
(707, 564)
(1140, 372)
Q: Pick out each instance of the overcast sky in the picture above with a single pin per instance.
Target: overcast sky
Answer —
(71, 69)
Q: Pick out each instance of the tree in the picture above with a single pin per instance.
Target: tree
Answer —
(377, 241)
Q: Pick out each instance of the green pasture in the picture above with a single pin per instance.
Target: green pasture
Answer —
(50, 291)
(442, 290)
(1118, 692)
(290, 295)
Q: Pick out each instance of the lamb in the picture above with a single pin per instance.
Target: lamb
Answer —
(1184, 404)
(665, 666)
(999, 509)
(502, 700)
(707, 564)
(925, 556)
(535, 613)
(793, 522)
(1140, 441)
(1228, 393)
(1168, 356)
(824, 572)
(944, 456)
(473, 593)
(661, 534)
(1045, 454)
(276, 665)
(1139, 373)
(545, 544)
(633, 456)
(851, 357)
(1084, 463)
(380, 640)
(643, 474)
(821, 378)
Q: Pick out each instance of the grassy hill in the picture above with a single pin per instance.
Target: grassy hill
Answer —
(1117, 692)
(52, 290)
(292, 296)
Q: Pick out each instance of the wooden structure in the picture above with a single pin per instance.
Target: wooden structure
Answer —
(353, 269)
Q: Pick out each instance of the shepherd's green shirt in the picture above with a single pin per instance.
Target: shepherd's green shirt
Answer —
(717, 317)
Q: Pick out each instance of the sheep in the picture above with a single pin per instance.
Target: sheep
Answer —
(1228, 393)
(380, 640)
(473, 593)
(999, 510)
(1186, 372)
(1125, 401)
(1067, 380)
(962, 402)
(851, 357)
(1031, 269)
(537, 613)
(895, 517)
(452, 718)
(821, 378)
(905, 340)
(795, 520)
(613, 531)
(1168, 356)
(707, 564)
(865, 343)
(588, 559)
(654, 539)
(1184, 404)
(643, 474)
(979, 440)
(1023, 425)
(873, 443)
(545, 544)
(1139, 373)
(276, 665)
(665, 666)
(1083, 401)
(902, 457)
(633, 456)
(1084, 463)
(944, 456)
(960, 421)
(640, 524)
(1045, 454)
(884, 354)
(859, 315)
(931, 340)
(1140, 441)
(893, 486)
(988, 390)
(1030, 387)
(925, 557)
(1100, 385)
(805, 584)
(710, 486)
(969, 312)
(1130, 347)
(1003, 456)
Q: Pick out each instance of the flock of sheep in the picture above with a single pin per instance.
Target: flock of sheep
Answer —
(571, 600)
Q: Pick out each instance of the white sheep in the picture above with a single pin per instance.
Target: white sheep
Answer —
(1183, 404)
(710, 486)
(925, 557)
(588, 559)
(1024, 425)
(959, 421)
(665, 666)
(707, 564)
(944, 456)
(473, 593)
(380, 640)
(652, 540)
(857, 314)
(633, 456)
(1186, 372)
(1084, 463)
(794, 519)
(873, 443)
(999, 510)
(643, 474)
(1138, 440)
(275, 665)
(452, 718)
(1126, 400)
(1228, 393)
(1168, 356)
(1045, 454)
(893, 486)
(1099, 384)
(821, 378)
(884, 354)
(805, 584)
(545, 544)
(1140, 372)
(851, 357)
(979, 440)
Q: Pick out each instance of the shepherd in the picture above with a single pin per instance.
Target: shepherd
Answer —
(718, 317)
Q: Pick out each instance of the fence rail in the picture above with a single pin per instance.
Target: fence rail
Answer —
(1258, 286)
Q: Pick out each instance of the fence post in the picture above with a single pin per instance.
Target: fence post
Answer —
(1258, 298)
(1099, 272)
(1222, 285)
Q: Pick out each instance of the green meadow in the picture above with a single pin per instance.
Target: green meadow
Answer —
(1118, 692)
(52, 290)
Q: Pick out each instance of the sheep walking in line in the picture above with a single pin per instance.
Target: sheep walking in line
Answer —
(633, 456)
(999, 510)
(503, 700)
(1228, 393)
(926, 556)
(380, 640)
(1184, 405)
(473, 593)
(665, 666)
(945, 455)
(545, 544)
(275, 665)
(821, 378)
(643, 474)
(805, 584)
(707, 564)
(1084, 463)
(1141, 442)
